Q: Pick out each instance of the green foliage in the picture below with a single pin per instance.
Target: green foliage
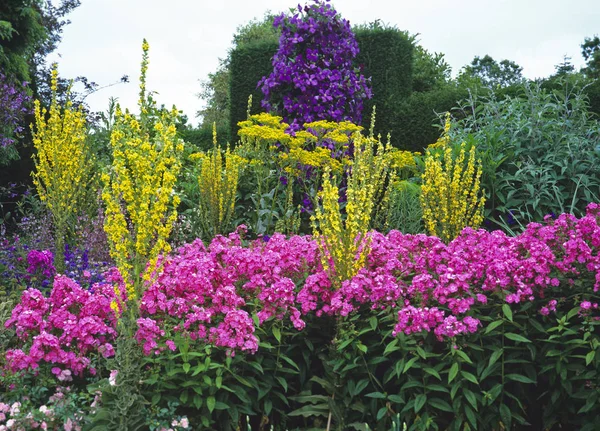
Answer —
(21, 35)
(492, 74)
(385, 55)
(405, 213)
(590, 49)
(123, 406)
(417, 119)
(430, 71)
(215, 89)
(540, 150)
(249, 63)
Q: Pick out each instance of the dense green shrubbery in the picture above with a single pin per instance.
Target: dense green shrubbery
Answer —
(249, 63)
(540, 149)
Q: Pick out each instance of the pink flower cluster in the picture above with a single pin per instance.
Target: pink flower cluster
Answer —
(211, 294)
(63, 328)
(41, 261)
(218, 294)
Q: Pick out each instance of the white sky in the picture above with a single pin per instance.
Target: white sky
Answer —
(103, 41)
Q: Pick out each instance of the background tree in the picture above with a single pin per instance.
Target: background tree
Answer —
(492, 74)
(590, 49)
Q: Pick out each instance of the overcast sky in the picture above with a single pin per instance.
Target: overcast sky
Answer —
(103, 41)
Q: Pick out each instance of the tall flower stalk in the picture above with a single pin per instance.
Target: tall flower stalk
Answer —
(450, 195)
(139, 189)
(343, 238)
(63, 164)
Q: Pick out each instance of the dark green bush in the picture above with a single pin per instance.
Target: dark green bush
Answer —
(386, 55)
(249, 64)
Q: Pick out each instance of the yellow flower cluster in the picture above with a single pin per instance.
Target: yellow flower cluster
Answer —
(64, 167)
(403, 160)
(444, 139)
(139, 191)
(450, 195)
(218, 182)
(300, 148)
(344, 242)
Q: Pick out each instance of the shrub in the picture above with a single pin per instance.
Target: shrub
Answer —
(540, 153)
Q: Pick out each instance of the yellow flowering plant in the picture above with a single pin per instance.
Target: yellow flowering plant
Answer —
(218, 186)
(343, 234)
(451, 195)
(141, 205)
(64, 165)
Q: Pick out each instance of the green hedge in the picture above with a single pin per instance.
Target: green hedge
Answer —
(416, 122)
(248, 65)
(386, 55)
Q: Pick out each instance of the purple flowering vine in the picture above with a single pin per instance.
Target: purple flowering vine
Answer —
(313, 76)
(14, 105)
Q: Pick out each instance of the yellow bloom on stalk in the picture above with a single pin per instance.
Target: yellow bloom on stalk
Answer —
(218, 182)
(64, 167)
(343, 241)
(450, 194)
(139, 190)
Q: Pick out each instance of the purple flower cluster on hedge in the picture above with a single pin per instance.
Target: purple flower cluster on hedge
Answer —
(313, 76)
(14, 105)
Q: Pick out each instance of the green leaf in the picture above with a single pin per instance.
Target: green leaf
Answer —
(277, 333)
(495, 356)
(282, 382)
(453, 372)
(470, 377)
(507, 312)
(396, 399)
(373, 322)
(590, 357)
(433, 372)
(155, 399)
(311, 410)
(210, 403)
(464, 356)
(505, 416)
(573, 312)
(381, 413)
(471, 398)
(391, 347)
(186, 367)
(420, 401)
(439, 404)
(471, 416)
(377, 395)
(516, 337)
(519, 378)
(493, 326)
(409, 364)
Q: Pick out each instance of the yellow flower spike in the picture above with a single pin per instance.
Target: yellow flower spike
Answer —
(139, 191)
(344, 241)
(450, 194)
(64, 165)
(218, 185)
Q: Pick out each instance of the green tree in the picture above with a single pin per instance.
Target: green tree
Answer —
(430, 70)
(492, 74)
(590, 49)
(215, 89)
